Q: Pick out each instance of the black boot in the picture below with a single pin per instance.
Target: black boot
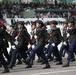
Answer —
(47, 66)
(39, 60)
(73, 59)
(28, 60)
(19, 62)
(29, 66)
(66, 65)
(56, 60)
(0, 65)
(6, 70)
(31, 62)
(42, 63)
(24, 61)
(11, 66)
(59, 63)
(51, 59)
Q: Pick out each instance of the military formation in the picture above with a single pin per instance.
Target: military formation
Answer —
(40, 42)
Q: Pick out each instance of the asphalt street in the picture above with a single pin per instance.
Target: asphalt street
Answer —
(37, 69)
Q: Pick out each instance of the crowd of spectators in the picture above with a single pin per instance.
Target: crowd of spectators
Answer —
(65, 15)
(14, 10)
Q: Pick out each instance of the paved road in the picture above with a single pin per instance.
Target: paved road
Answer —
(38, 69)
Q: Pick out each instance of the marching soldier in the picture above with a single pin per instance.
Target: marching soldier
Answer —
(40, 43)
(72, 40)
(4, 35)
(55, 39)
(33, 41)
(12, 32)
(22, 39)
(65, 44)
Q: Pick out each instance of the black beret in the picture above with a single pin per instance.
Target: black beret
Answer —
(40, 22)
(71, 20)
(33, 23)
(12, 26)
(54, 22)
(65, 22)
(21, 22)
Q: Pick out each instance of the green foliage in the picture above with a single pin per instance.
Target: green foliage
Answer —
(36, 3)
(65, 3)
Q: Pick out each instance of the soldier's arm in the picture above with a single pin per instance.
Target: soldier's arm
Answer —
(60, 36)
(47, 35)
(26, 35)
(8, 37)
(20, 42)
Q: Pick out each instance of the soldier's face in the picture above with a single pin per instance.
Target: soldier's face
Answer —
(70, 24)
(65, 25)
(33, 27)
(52, 26)
(11, 28)
(19, 26)
(38, 25)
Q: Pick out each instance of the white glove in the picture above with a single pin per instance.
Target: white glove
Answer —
(16, 42)
(33, 46)
(29, 46)
(65, 43)
(68, 35)
(16, 37)
(13, 47)
(53, 44)
(35, 37)
(46, 46)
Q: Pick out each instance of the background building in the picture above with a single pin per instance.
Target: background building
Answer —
(26, 1)
(11, 1)
(69, 0)
(74, 1)
(66, 0)
(0, 0)
(48, 1)
(38, 0)
(62, 0)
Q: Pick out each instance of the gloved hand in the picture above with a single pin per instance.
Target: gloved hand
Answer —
(33, 46)
(64, 43)
(68, 35)
(16, 42)
(46, 46)
(53, 44)
(16, 37)
(13, 47)
(35, 37)
(29, 46)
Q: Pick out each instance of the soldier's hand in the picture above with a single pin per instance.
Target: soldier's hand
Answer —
(13, 47)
